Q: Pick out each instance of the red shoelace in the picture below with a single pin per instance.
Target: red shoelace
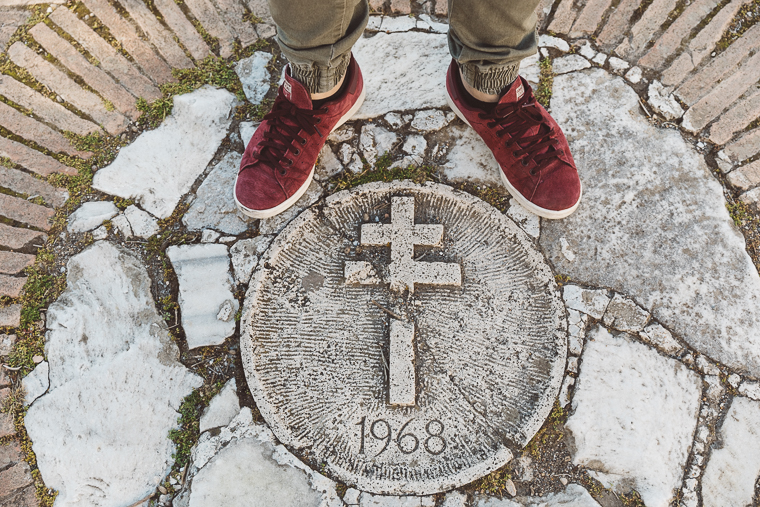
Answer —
(285, 122)
(517, 119)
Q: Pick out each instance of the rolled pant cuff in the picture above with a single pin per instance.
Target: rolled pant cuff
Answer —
(318, 79)
(492, 81)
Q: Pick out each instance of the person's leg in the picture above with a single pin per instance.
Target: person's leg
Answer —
(316, 37)
(488, 38)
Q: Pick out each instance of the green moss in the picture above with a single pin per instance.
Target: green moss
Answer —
(545, 83)
(739, 212)
(495, 483)
(550, 433)
(561, 279)
(122, 204)
(186, 435)
(745, 19)
(383, 172)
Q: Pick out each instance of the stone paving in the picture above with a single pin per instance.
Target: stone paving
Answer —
(660, 378)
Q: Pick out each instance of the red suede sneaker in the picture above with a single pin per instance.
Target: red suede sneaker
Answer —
(530, 148)
(278, 163)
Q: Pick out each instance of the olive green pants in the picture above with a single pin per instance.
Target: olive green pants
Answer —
(488, 38)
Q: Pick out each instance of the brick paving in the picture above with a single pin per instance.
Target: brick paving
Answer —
(746, 177)
(10, 316)
(737, 118)
(645, 28)
(158, 35)
(26, 212)
(44, 108)
(11, 286)
(16, 238)
(10, 20)
(212, 22)
(95, 78)
(617, 24)
(110, 60)
(32, 159)
(590, 17)
(181, 26)
(232, 11)
(11, 263)
(40, 133)
(23, 183)
(744, 147)
(49, 75)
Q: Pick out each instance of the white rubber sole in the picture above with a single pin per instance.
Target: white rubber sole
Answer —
(525, 203)
(267, 213)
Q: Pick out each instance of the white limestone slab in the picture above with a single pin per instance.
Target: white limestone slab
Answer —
(634, 415)
(730, 475)
(576, 331)
(375, 141)
(205, 292)
(143, 225)
(660, 338)
(589, 301)
(663, 101)
(370, 500)
(569, 63)
(624, 314)
(527, 221)
(121, 225)
(245, 462)
(246, 254)
(222, 409)
(90, 215)
(254, 75)
(455, 499)
(161, 165)
(36, 383)
(530, 70)
(397, 24)
(393, 64)
(549, 41)
(328, 164)
(247, 129)
(214, 204)
(634, 75)
(115, 385)
(574, 495)
(688, 265)
(469, 159)
(430, 120)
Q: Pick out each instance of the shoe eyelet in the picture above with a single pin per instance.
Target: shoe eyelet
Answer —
(524, 163)
(303, 142)
(288, 161)
(296, 152)
(283, 172)
(532, 172)
(319, 120)
(514, 154)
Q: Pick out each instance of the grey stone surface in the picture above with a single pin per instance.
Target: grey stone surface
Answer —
(731, 473)
(624, 314)
(574, 495)
(90, 215)
(115, 385)
(246, 254)
(630, 444)
(222, 409)
(214, 204)
(254, 75)
(549, 41)
(10, 20)
(431, 119)
(247, 129)
(244, 466)
(662, 100)
(328, 164)
(576, 331)
(7, 341)
(526, 220)
(455, 499)
(659, 337)
(36, 383)
(589, 301)
(569, 63)
(375, 141)
(469, 159)
(303, 324)
(653, 224)
(143, 225)
(205, 292)
(121, 225)
(370, 500)
(393, 64)
(161, 165)
(276, 223)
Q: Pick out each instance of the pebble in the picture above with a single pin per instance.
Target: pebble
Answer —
(510, 487)
(37, 359)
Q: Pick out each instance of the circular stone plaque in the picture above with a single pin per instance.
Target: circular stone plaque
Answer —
(403, 338)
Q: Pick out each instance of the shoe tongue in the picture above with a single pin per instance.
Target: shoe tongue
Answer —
(296, 93)
(514, 93)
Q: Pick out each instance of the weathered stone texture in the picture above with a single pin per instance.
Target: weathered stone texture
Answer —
(49, 75)
(78, 64)
(668, 43)
(159, 35)
(704, 81)
(564, 17)
(11, 286)
(44, 108)
(16, 238)
(745, 147)
(32, 159)
(628, 444)
(152, 65)
(26, 212)
(645, 28)
(185, 31)
(115, 385)
(10, 20)
(590, 17)
(723, 94)
(90, 215)
(179, 151)
(127, 74)
(232, 12)
(688, 266)
(23, 183)
(32, 130)
(743, 112)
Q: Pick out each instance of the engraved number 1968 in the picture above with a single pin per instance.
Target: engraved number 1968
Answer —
(407, 442)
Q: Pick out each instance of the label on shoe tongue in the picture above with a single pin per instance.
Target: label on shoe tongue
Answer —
(520, 91)
(288, 90)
